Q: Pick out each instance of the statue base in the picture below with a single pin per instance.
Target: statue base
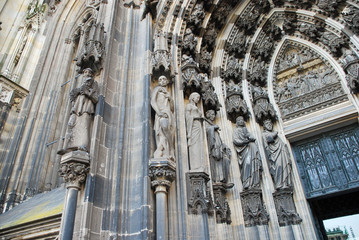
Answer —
(221, 206)
(284, 204)
(253, 208)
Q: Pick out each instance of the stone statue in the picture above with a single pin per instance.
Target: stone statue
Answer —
(279, 158)
(83, 100)
(219, 153)
(248, 156)
(194, 121)
(150, 7)
(162, 104)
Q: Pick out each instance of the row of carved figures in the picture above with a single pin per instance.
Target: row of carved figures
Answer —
(219, 153)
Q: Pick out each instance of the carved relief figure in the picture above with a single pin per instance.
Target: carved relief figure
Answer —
(83, 101)
(279, 158)
(248, 155)
(218, 151)
(194, 121)
(162, 103)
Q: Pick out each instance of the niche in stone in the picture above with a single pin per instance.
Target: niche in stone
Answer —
(304, 82)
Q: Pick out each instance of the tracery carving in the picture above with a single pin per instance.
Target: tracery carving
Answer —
(262, 108)
(192, 80)
(221, 206)
(313, 31)
(264, 49)
(254, 210)
(233, 70)
(91, 52)
(258, 72)
(238, 47)
(286, 211)
(161, 58)
(235, 104)
(351, 17)
(334, 43)
(209, 97)
(199, 196)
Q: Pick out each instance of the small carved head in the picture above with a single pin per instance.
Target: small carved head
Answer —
(194, 97)
(162, 81)
(88, 72)
(268, 125)
(211, 115)
(240, 121)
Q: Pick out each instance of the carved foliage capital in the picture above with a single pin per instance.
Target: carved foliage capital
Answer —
(162, 172)
(74, 173)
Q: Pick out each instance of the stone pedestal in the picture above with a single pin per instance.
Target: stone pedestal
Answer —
(74, 169)
(286, 211)
(198, 193)
(162, 172)
(222, 210)
(253, 208)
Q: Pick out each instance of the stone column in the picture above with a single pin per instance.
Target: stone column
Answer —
(74, 169)
(162, 173)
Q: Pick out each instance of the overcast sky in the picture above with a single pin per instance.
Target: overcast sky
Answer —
(348, 221)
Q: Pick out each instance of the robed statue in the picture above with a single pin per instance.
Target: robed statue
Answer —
(83, 102)
(248, 155)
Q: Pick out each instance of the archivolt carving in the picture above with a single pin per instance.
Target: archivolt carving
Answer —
(351, 17)
(233, 70)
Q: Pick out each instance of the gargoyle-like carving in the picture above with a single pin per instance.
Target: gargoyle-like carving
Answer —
(351, 68)
(313, 31)
(334, 43)
(189, 42)
(351, 18)
(238, 47)
(273, 31)
(286, 212)
(196, 18)
(261, 105)
(150, 8)
(209, 37)
(258, 72)
(199, 197)
(254, 210)
(221, 13)
(248, 22)
(233, 70)
(205, 60)
(329, 6)
(264, 49)
(235, 104)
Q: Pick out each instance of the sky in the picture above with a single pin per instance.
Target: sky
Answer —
(347, 221)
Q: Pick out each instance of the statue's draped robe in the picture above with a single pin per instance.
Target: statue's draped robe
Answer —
(280, 163)
(248, 158)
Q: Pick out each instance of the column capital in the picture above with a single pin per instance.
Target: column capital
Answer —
(74, 168)
(162, 172)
